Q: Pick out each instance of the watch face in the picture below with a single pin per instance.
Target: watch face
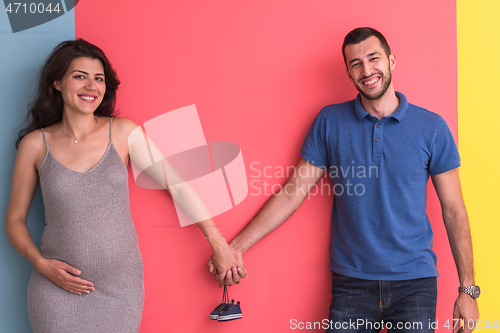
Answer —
(476, 292)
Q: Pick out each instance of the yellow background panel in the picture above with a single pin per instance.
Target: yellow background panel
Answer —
(478, 29)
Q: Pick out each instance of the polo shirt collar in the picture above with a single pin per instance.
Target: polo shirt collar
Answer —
(398, 114)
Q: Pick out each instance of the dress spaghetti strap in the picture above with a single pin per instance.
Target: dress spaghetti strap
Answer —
(45, 139)
(111, 129)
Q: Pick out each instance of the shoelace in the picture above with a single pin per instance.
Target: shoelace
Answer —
(225, 295)
(225, 300)
(228, 308)
(220, 307)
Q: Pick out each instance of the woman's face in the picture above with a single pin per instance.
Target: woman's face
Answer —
(82, 87)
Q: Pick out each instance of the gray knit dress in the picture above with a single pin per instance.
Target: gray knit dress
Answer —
(89, 226)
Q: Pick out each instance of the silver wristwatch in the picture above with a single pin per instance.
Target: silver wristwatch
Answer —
(473, 291)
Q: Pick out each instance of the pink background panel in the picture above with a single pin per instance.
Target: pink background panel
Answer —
(258, 72)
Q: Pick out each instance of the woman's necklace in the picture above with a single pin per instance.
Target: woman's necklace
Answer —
(76, 140)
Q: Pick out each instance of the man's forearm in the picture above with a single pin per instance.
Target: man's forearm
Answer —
(280, 206)
(458, 229)
(273, 214)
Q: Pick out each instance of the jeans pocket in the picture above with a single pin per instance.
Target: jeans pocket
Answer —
(339, 277)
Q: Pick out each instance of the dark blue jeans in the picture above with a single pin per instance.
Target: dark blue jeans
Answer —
(368, 306)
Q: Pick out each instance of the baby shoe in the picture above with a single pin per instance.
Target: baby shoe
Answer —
(230, 312)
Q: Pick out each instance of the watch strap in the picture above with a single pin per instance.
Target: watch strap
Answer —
(468, 290)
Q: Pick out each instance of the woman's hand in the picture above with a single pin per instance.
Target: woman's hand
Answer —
(235, 271)
(64, 276)
(229, 270)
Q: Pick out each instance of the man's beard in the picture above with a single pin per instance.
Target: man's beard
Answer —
(386, 85)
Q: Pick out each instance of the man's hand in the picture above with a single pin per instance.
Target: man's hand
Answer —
(229, 277)
(466, 309)
(223, 263)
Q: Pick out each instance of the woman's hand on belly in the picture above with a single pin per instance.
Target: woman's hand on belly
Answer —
(64, 276)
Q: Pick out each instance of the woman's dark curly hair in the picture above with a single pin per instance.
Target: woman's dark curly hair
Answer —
(47, 107)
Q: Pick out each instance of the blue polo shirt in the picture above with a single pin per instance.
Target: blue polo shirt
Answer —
(379, 171)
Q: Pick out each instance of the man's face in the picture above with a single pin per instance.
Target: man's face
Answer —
(369, 67)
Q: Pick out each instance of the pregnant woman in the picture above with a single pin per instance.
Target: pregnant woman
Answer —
(87, 274)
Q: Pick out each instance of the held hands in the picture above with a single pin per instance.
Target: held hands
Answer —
(466, 309)
(226, 264)
(63, 275)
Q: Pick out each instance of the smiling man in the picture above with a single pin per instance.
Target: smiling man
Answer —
(382, 262)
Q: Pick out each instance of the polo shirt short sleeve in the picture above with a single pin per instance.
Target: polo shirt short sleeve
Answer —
(314, 148)
(379, 170)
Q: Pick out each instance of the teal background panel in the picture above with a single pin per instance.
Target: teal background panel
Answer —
(21, 55)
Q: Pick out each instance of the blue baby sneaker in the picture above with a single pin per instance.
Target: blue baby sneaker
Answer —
(230, 312)
(225, 301)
